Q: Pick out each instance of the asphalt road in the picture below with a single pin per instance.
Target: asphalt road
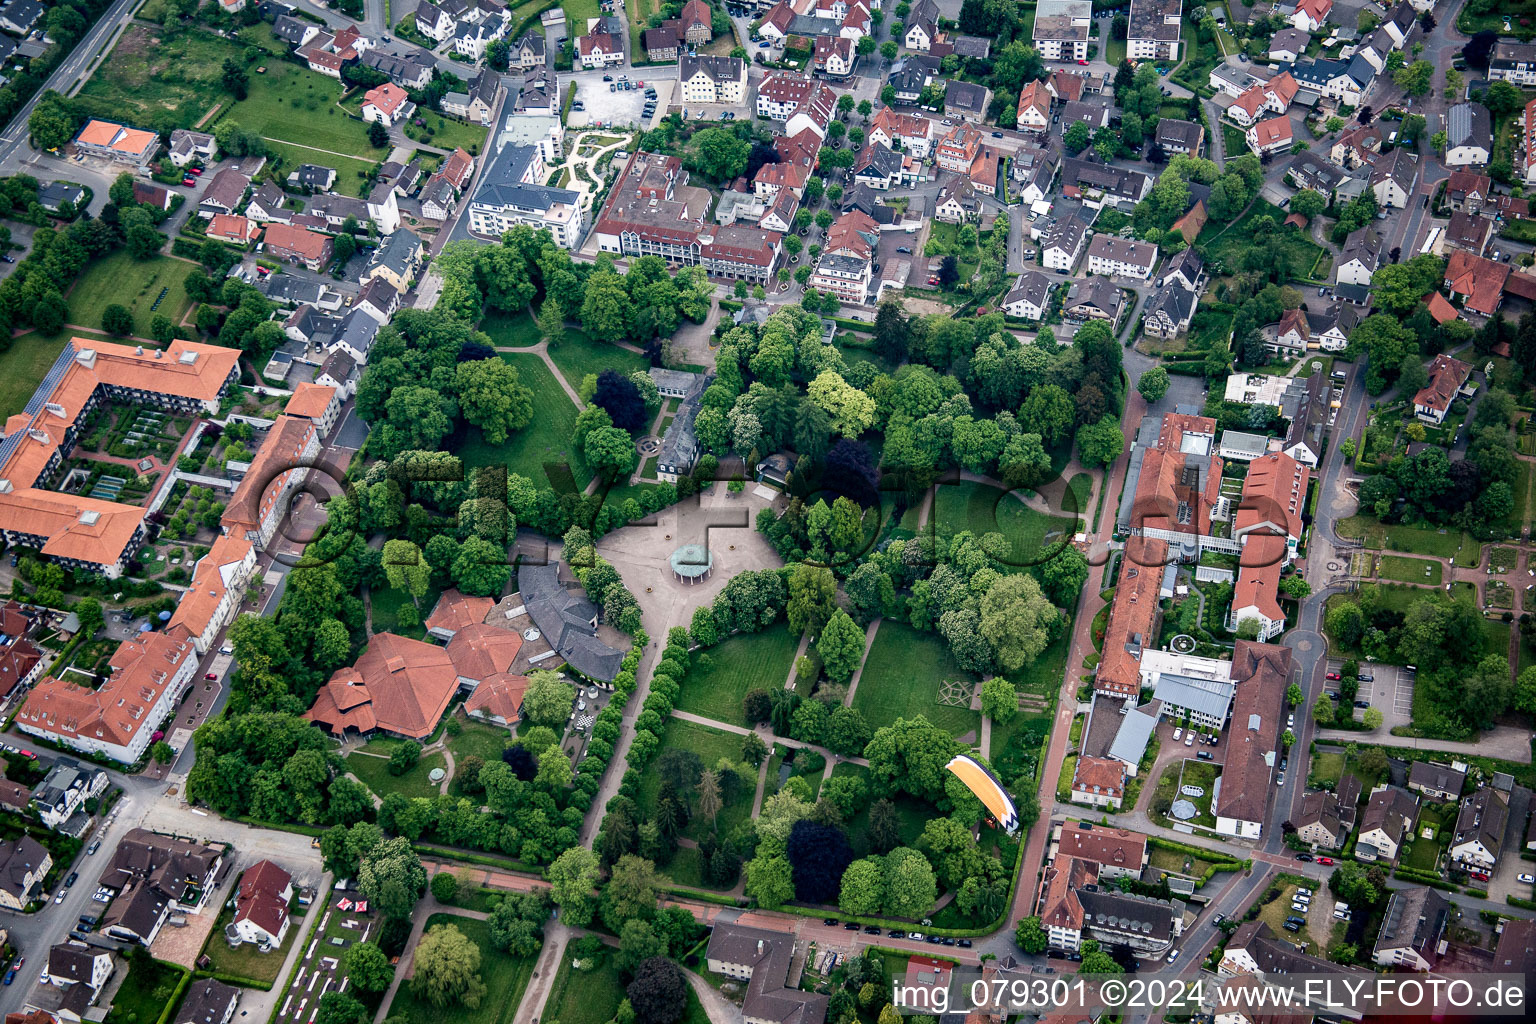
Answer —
(65, 75)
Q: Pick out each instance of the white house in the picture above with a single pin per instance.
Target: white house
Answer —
(1029, 297)
(1479, 836)
(1311, 14)
(65, 790)
(261, 906)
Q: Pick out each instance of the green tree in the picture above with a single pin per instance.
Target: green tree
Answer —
(366, 966)
(1153, 384)
(573, 877)
(445, 887)
(117, 320)
(493, 398)
(1017, 621)
(552, 322)
(841, 647)
(611, 452)
(769, 881)
(999, 700)
(720, 154)
(378, 135)
(405, 568)
(447, 968)
(548, 699)
(391, 875)
(911, 887)
(1100, 444)
(1030, 936)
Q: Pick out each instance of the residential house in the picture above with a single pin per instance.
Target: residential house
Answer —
(904, 132)
(966, 99)
(763, 959)
(1439, 782)
(78, 963)
(1468, 231)
(833, 56)
(24, 863)
(1097, 184)
(21, 16)
(187, 146)
(1121, 257)
(1469, 135)
(387, 104)
(958, 150)
(713, 79)
(1175, 136)
(1169, 313)
(1399, 23)
(224, 193)
(312, 177)
(602, 45)
(379, 299)
(1029, 296)
(396, 259)
(409, 71)
(1271, 135)
(1360, 257)
(1326, 819)
(479, 102)
(1063, 244)
(956, 202)
(528, 52)
(1311, 15)
(1187, 270)
(294, 31)
(1477, 281)
(1271, 97)
(845, 266)
(1098, 782)
(1513, 62)
(1413, 930)
(64, 791)
(1478, 838)
(55, 194)
(1034, 107)
(877, 166)
(261, 906)
(298, 245)
(1467, 191)
(1355, 146)
(154, 876)
(1093, 298)
(1388, 814)
(1394, 177)
(1288, 44)
(208, 1002)
(922, 26)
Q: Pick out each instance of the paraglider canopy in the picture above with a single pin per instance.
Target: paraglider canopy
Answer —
(987, 789)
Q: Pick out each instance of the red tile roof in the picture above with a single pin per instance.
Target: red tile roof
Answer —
(455, 610)
(399, 685)
(1446, 376)
(1480, 280)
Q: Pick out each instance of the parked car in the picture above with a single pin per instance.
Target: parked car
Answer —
(906, 250)
(871, 930)
(10, 975)
(829, 920)
(1325, 860)
(1083, 63)
(1280, 779)
(1173, 956)
(1527, 879)
(74, 876)
(93, 848)
(1178, 734)
(1333, 676)
(607, 78)
(850, 926)
(189, 181)
(210, 675)
(1365, 677)
(1205, 755)
(1189, 740)
(59, 898)
(1304, 856)
(1362, 703)
(965, 943)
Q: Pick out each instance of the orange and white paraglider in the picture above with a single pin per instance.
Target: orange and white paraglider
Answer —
(984, 785)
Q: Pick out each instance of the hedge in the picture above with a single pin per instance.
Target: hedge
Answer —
(181, 987)
(1516, 901)
(466, 857)
(237, 980)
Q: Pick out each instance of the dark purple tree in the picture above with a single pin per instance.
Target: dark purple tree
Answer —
(658, 995)
(619, 397)
(849, 470)
(818, 856)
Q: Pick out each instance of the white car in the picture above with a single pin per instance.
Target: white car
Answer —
(1189, 740)
(101, 897)
(1173, 956)
(42, 979)
(1527, 879)
(59, 898)
(1178, 734)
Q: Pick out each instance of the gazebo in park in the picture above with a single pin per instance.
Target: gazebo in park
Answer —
(691, 564)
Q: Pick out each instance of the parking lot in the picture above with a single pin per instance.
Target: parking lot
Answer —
(622, 107)
(1390, 690)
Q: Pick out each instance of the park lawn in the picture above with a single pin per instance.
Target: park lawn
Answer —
(1412, 539)
(146, 990)
(578, 355)
(1326, 769)
(478, 739)
(1228, 243)
(385, 605)
(1522, 490)
(545, 440)
(1410, 570)
(1495, 637)
(23, 366)
(578, 11)
(1492, 20)
(505, 978)
(901, 679)
(589, 996)
(290, 103)
(515, 331)
(374, 772)
(711, 745)
(982, 508)
(1043, 675)
(147, 77)
(747, 661)
(136, 284)
(351, 173)
(447, 132)
(245, 960)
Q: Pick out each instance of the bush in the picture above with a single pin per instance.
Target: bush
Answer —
(445, 888)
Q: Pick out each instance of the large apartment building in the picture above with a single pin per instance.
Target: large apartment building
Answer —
(512, 192)
(1061, 29)
(1153, 32)
(74, 530)
(653, 211)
